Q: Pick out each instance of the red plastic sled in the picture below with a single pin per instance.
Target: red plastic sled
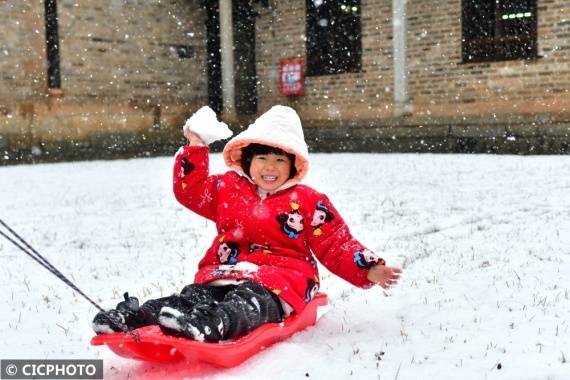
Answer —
(154, 346)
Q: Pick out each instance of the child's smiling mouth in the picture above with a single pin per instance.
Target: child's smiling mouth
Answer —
(269, 178)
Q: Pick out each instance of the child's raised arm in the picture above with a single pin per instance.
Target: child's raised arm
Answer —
(193, 186)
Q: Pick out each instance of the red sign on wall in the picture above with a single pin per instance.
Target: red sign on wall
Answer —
(292, 76)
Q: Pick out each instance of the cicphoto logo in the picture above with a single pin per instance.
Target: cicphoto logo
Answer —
(51, 369)
(11, 370)
(58, 369)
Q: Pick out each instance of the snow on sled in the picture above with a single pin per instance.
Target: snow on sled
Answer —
(154, 346)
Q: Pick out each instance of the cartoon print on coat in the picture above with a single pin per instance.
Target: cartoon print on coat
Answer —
(312, 289)
(366, 259)
(185, 168)
(291, 222)
(321, 216)
(228, 252)
(264, 248)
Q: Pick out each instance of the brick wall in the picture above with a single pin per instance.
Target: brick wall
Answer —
(442, 85)
(19, 55)
(123, 84)
(457, 101)
(335, 98)
(437, 77)
(127, 49)
(122, 80)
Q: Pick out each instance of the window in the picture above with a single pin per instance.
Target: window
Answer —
(333, 37)
(52, 44)
(495, 30)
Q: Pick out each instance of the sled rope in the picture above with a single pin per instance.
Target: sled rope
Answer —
(30, 251)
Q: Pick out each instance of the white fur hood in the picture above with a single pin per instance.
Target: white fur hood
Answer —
(279, 127)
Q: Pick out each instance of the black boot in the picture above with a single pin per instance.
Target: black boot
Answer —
(127, 315)
(201, 324)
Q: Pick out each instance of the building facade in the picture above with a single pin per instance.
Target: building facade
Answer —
(111, 77)
(126, 74)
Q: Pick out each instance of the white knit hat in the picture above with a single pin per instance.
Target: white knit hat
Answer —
(280, 127)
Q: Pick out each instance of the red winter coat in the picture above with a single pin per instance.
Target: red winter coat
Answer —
(273, 241)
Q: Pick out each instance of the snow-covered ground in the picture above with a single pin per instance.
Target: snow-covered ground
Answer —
(484, 242)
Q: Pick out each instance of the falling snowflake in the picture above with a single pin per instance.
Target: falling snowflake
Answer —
(206, 198)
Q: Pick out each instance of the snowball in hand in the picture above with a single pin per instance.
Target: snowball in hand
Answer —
(206, 125)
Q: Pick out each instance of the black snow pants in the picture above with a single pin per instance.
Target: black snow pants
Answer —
(242, 307)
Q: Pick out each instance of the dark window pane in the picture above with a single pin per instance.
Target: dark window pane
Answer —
(52, 44)
(516, 17)
(478, 18)
(333, 36)
(498, 30)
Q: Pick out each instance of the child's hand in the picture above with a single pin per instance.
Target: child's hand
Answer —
(193, 138)
(383, 275)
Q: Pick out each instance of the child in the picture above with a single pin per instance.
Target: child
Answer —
(261, 266)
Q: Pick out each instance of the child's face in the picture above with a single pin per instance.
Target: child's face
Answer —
(270, 171)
